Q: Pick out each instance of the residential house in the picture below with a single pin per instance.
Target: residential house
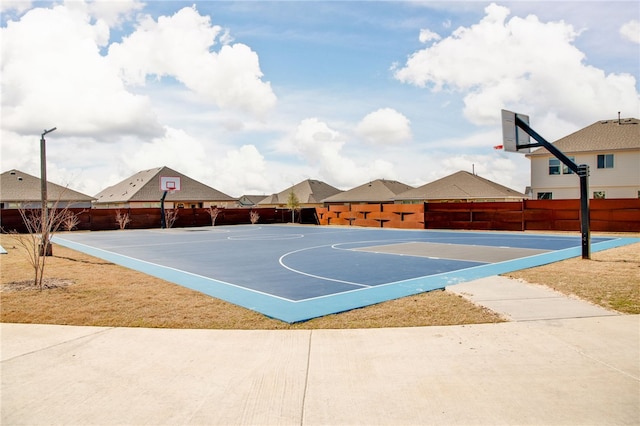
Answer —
(142, 190)
(309, 193)
(374, 192)
(611, 149)
(22, 190)
(461, 186)
(250, 200)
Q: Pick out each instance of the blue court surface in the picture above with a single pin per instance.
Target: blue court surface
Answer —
(295, 273)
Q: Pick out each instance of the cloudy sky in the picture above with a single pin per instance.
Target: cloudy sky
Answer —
(253, 97)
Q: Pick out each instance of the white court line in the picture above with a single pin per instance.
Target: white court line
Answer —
(266, 237)
(281, 261)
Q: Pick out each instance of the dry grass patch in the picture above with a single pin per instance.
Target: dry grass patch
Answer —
(610, 279)
(100, 293)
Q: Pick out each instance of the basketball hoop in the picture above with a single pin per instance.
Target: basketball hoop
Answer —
(498, 147)
(514, 139)
(170, 184)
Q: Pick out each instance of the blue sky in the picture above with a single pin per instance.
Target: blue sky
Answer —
(253, 97)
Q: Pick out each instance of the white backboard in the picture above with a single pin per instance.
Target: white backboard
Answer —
(514, 137)
(169, 183)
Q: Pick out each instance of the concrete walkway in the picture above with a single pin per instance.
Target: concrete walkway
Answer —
(578, 371)
(517, 300)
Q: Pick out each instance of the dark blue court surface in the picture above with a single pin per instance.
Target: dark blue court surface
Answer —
(294, 273)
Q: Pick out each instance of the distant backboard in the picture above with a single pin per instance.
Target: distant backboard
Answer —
(514, 137)
(169, 183)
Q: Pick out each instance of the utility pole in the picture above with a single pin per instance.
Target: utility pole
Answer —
(45, 247)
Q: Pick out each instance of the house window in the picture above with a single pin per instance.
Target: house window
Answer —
(605, 161)
(598, 195)
(554, 166)
(545, 195)
(565, 169)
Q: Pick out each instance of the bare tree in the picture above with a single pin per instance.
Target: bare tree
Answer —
(254, 216)
(293, 204)
(36, 241)
(171, 216)
(71, 220)
(122, 219)
(214, 212)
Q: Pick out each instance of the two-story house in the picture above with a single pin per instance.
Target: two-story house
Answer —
(611, 149)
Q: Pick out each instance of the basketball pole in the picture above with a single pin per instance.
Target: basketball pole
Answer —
(581, 170)
(163, 220)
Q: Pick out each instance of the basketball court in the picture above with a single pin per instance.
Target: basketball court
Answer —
(295, 273)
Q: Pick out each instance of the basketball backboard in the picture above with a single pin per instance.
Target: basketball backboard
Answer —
(169, 183)
(513, 137)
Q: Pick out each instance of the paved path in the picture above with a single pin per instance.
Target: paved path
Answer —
(578, 371)
(518, 300)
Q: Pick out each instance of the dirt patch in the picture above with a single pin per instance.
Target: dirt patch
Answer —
(28, 285)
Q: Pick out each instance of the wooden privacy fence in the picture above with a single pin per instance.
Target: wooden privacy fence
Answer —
(410, 216)
(105, 219)
(613, 215)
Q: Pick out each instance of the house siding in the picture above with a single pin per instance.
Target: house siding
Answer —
(621, 181)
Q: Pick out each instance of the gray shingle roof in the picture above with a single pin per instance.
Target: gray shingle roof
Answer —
(21, 187)
(145, 186)
(308, 191)
(377, 191)
(606, 135)
(461, 186)
(250, 200)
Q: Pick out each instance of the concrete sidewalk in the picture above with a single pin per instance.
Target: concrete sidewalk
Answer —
(554, 371)
(518, 300)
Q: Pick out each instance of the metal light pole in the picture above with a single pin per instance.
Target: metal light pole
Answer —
(44, 207)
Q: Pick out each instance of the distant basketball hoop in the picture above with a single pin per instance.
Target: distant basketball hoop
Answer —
(170, 183)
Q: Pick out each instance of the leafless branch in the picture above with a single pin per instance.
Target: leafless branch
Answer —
(214, 212)
(122, 219)
(170, 217)
(254, 216)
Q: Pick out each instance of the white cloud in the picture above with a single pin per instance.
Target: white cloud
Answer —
(385, 126)
(15, 5)
(114, 12)
(176, 149)
(242, 171)
(57, 72)
(427, 36)
(53, 75)
(321, 146)
(631, 31)
(498, 63)
(20, 152)
(180, 46)
(234, 171)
